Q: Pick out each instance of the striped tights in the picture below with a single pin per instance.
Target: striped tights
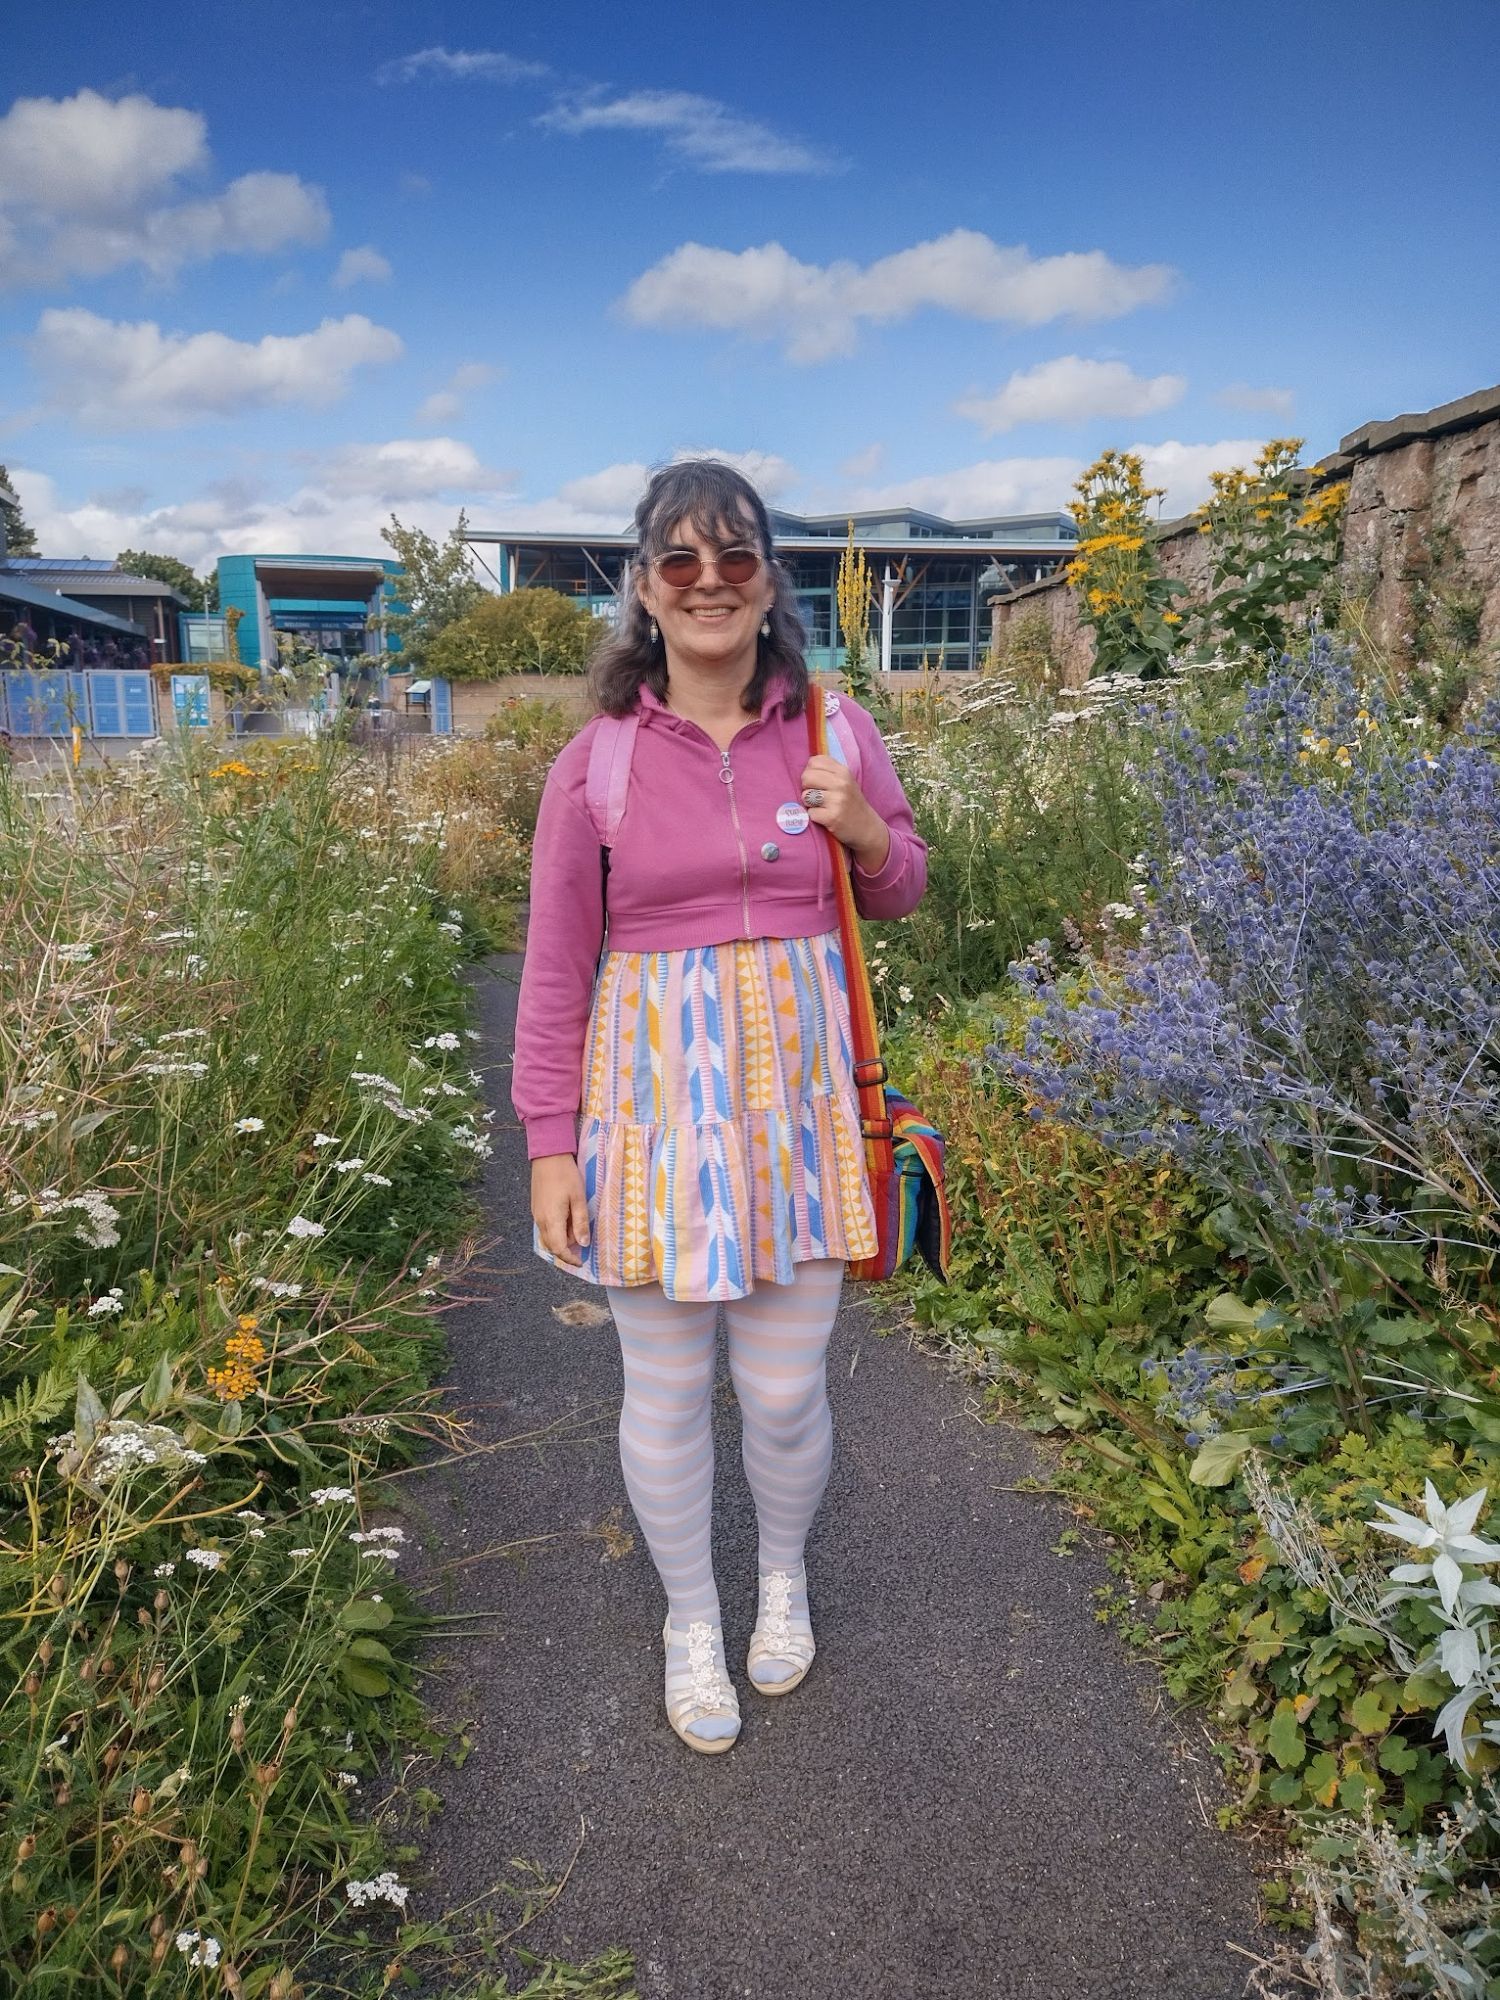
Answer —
(778, 1352)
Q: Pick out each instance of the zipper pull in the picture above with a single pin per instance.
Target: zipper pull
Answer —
(726, 775)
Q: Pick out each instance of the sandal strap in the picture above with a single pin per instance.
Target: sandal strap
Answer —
(776, 1636)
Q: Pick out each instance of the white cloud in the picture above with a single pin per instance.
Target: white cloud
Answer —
(446, 405)
(604, 502)
(338, 509)
(1043, 485)
(411, 468)
(124, 375)
(360, 266)
(1242, 396)
(766, 293)
(863, 464)
(1184, 468)
(92, 155)
(88, 185)
(1070, 390)
(700, 130)
(461, 65)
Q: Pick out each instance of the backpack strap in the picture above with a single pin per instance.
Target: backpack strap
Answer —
(609, 773)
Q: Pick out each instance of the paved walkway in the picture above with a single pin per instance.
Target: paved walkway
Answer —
(973, 1793)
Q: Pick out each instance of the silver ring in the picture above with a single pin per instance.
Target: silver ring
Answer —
(812, 797)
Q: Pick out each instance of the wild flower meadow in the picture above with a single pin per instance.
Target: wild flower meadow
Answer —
(239, 1101)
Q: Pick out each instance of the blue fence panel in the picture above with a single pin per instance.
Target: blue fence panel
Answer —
(140, 710)
(190, 700)
(38, 703)
(105, 718)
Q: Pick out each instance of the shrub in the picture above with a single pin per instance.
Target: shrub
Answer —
(520, 632)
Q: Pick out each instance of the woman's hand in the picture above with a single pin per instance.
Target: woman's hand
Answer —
(559, 1206)
(845, 811)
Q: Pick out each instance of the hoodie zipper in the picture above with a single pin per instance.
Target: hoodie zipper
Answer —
(726, 776)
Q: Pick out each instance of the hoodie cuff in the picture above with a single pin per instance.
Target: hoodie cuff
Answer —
(890, 870)
(556, 1133)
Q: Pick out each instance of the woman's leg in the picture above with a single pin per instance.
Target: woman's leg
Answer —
(666, 1439)
(778, 1356)
(667, 1457)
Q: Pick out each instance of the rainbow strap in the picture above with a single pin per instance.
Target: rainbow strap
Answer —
(903, 1150)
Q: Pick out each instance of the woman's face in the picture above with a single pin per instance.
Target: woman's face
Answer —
(710, 623)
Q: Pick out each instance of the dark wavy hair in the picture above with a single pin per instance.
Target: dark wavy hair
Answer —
(723, 507)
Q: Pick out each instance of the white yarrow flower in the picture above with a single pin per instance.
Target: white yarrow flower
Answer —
(300, 1225)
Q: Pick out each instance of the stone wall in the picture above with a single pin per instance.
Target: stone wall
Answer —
(1424, 508)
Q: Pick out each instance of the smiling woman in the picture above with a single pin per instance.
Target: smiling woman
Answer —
(684, 1050)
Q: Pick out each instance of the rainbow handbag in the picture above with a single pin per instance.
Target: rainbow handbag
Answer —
(903, 1150)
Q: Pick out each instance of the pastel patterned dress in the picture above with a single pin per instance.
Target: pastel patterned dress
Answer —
(719, 1140)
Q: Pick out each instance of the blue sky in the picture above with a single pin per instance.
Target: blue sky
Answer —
(270, 272)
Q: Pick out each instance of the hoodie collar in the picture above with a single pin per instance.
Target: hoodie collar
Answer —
(651, 702)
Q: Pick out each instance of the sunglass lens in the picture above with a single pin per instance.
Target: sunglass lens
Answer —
(680, 569)
(738, 565)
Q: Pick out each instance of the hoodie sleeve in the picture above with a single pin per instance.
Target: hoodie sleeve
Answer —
(564, 935)
(898, 885)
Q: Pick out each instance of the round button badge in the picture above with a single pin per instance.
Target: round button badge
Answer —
(793, 818)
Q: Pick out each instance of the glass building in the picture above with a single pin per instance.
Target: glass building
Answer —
(932, 577)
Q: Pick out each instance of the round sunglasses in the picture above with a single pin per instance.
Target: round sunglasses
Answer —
(681, 567)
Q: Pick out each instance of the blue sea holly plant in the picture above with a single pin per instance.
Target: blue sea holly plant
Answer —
(1309, 1022)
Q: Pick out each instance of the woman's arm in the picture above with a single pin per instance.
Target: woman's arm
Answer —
(897, 885)
(563, 937)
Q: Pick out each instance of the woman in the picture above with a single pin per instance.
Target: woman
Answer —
(687, 1093)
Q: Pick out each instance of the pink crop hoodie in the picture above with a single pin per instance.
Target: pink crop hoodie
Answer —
(687, 868)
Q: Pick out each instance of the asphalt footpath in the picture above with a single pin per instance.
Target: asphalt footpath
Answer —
(974, 1792)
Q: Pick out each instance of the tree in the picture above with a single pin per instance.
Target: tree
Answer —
(437, 585)
(202, 593)
(20, 540)
(524, 632)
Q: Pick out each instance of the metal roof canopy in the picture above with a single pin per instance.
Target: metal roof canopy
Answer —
(286, 577)
(19, 590)
(104, 582)
(920, 546)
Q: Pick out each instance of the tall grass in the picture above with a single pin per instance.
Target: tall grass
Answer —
(237, 1109)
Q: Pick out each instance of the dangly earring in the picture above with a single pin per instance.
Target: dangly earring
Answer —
(765, 627)
(655, 635)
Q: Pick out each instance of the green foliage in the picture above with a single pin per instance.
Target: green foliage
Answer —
(232, 1003)
(437, 585)
(518, 632)
(20, 537)
(1272, 549)
(202, 593)
(1120, 589)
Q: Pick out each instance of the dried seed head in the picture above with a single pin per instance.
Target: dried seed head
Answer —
(33, 1684)
(119, 1958)
(44, 1652)
(62, 1795)
(237, 1730)
(111, 1756)
(187, 1854)
(158, 1925)
(267, 1774)
(289, 1721)
(57, 1590)
(142, 1615)
(161, 1600)
(122, 1572)
(140, 1802)
(280, 1987)
(26, 1848)
(155, 1678)
(46, 1922)
(200, 1866)
(86, 1671)
(158, 1951)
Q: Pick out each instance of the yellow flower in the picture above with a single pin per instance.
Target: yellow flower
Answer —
(1171, 618)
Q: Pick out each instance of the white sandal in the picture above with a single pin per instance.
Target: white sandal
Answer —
(699, 1690)
(777, 1636)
